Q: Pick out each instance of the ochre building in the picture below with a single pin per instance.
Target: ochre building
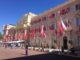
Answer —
(67, 13)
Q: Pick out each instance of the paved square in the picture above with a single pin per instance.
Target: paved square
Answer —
(6, 53)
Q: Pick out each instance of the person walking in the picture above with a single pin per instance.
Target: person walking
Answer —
(26, 48)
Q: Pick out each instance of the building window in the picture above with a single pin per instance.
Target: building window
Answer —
(44, 28)
(43, 18)
(78, 6)
(39, 20)
(78, 21)
(64, 11)
(51, 15)
(52, 26)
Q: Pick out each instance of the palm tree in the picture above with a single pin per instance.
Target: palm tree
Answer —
(1, 36)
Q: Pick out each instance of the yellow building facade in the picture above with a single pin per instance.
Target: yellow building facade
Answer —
(69, 13)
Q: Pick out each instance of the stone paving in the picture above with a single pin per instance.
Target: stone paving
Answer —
(6, 53)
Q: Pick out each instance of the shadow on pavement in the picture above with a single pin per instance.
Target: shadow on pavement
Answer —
(49, 56)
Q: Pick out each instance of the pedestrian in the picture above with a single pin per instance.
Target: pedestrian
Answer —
(26, 48)
(6, 45)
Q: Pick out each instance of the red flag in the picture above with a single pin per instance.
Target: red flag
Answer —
(19, 36)
(25, 34)
(32, 33)
(42, 31)
(9, 37)
(7, 32)
(6, 37)
(68, 24)
(60, 27)
(16, 36)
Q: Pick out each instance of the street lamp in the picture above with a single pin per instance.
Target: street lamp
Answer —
(27, 40)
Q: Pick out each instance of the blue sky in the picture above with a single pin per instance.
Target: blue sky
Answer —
(12, 10)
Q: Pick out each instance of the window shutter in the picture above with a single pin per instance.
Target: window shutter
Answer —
(78, 22)
(51, 15)
(52, 27)
(78, 6)
(43, 18)
(64, 11)
(44, 28)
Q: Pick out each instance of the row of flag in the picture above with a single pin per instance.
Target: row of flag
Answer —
(52, 15)
(59, 29)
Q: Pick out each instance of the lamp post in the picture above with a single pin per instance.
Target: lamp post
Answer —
(27, 40)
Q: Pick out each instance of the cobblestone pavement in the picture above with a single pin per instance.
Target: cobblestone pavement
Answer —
(6, 53)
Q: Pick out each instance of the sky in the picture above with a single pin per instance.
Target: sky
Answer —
(11, 11)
